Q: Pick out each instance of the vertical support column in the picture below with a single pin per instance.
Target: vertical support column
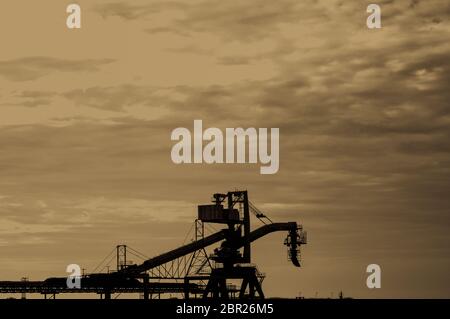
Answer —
(186, 288)
(121, 256)
(243, 287)
(24, 295)
(247, 247)
(230, 205)
(251, 289)
(223, 288)
(146, 286)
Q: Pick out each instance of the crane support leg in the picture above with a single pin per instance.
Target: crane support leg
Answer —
(146, 282)
(217, 284)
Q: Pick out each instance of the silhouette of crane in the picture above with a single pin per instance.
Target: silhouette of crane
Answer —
(188, 269)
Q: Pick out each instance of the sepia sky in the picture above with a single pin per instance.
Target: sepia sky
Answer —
(364, 117)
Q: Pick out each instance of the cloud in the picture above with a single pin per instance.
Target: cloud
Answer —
(363, 117)
(29, 99)
(111, 98)
(128, 11)
(232, 19)
(32, 68)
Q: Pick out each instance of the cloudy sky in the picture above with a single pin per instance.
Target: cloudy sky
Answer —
(86, 117)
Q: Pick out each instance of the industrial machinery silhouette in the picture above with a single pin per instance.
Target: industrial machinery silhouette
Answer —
(188, 270)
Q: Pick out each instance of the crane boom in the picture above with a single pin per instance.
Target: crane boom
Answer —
(267, 229)
(176, 253)
(292, 241)
(207, 241)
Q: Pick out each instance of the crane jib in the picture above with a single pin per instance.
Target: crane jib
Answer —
(207, 241)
